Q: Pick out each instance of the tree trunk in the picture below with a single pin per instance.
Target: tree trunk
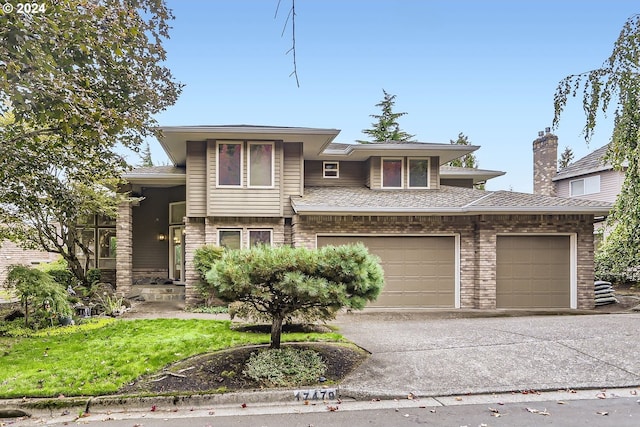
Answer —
(276, 331)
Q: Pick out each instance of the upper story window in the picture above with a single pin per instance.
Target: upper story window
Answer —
(392, 173)
(589, 185)
(229, 160)
(418, 172)
(331, 169)
(260, 164)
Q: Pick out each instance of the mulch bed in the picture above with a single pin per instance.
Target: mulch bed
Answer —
(222, 371)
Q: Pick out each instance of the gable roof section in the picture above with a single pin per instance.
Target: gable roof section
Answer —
(444, 201)
(592, 162)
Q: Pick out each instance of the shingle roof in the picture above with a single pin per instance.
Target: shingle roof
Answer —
(452, 200)
(592, 162)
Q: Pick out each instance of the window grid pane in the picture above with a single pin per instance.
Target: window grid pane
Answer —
(229, 239)
(418, 170)
(392, 173)
(260, 165)
(230, 164)
(259, 237)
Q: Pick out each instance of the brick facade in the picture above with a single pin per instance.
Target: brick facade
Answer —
(478, 238)
(124, 251)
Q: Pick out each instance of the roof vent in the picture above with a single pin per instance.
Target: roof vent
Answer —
(547, 130)
(540, 133)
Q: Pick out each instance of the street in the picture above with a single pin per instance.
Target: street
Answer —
(613, 410)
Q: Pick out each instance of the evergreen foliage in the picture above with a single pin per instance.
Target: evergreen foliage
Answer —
(284, 282)
(386, 127)
(565, 158)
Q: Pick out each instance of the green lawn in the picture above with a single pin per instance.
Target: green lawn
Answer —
(76, 361)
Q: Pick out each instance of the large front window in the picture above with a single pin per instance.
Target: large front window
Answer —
(260, 164)
(260, 237)
(391, 173)
(230, 164)
(98, 242)
(418, 173)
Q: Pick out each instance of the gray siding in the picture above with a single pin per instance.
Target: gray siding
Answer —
(196, 179)
(244, 201)
(292, 171)
(350, 174)
(150, 219)
(610, 185)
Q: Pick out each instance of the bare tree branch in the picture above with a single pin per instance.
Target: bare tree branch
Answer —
(291, 15)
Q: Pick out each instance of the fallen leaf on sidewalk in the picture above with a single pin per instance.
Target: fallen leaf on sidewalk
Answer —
(602, 413)
(560, 402)
(535, 411)
(601, 395)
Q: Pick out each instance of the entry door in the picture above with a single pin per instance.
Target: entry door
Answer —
(176, 253)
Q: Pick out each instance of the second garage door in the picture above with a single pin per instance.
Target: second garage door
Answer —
(419, 271)
(533, 272)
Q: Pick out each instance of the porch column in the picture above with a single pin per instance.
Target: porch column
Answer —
(124, 249)
(193, 239)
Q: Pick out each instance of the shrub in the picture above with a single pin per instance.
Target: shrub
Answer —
(93, 276)
(59, 271)
(285, 367)
(284, 282)
(38, 291)
(617, 259)
(205, 257)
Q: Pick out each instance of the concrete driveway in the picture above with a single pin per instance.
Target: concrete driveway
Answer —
(429, 355)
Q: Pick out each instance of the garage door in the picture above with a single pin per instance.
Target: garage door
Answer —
(419, 271)
(533, 272)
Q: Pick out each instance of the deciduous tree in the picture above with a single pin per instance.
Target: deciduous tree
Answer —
(77, 80)
(284, 282)
(615, 84)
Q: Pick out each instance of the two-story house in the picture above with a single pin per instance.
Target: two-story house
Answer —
(590, 177)
(441, 242)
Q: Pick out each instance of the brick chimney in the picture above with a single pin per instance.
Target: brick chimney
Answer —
(545, 163)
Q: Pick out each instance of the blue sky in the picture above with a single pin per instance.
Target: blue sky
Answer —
(488, 69)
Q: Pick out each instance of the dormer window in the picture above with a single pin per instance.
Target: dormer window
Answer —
(392, 173)
(331, 169)
(418, 172)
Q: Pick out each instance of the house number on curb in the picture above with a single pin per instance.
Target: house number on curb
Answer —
(315, 394)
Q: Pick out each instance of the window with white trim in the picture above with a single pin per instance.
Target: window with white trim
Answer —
(260, 237)
(260, 161)
(177, 212)
(230, 239)
(392, 173)
(581, 187)
(229, 162)
(418, 172)
(331, 169)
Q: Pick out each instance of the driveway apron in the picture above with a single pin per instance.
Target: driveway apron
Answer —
(417, 353)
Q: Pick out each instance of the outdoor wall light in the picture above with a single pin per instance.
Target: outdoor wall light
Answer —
(162, 237)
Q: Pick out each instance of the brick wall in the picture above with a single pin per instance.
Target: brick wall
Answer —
(545, 164)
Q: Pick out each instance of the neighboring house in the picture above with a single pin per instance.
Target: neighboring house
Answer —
(446, 246)
(11, 254)
(590, 177)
